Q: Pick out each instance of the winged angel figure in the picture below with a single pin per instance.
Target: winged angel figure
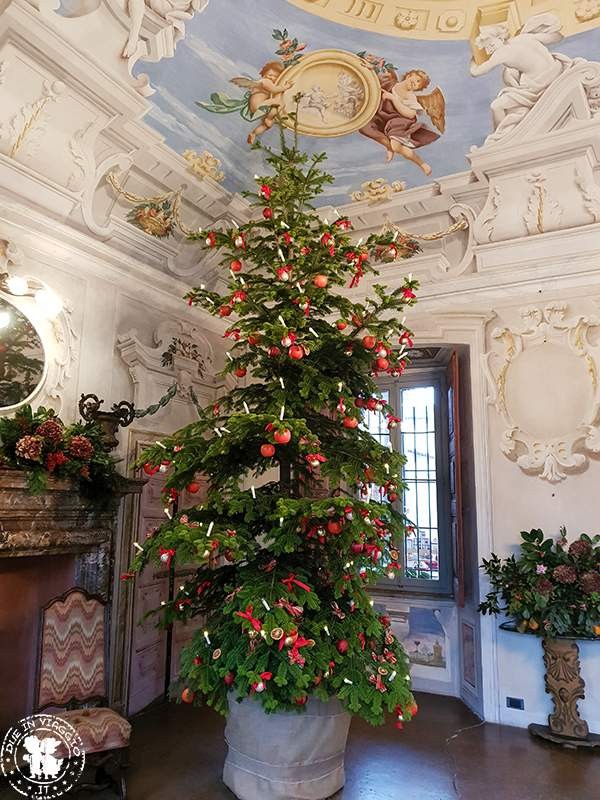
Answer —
(262, 101)
(397, 125)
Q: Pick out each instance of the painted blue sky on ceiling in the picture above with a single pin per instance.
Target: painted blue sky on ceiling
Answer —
(234, 37)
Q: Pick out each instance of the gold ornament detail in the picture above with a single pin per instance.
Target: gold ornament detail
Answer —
(390, 227)
(204, 165)
(158, 215)
(276, 634)
(216, 654)
(377, 191)
(32, 113)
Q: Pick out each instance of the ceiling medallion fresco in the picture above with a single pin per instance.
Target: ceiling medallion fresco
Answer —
(450, 19)
(395, 109)
(330, 93)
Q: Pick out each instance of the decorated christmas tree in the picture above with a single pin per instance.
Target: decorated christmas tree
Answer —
(284, 564)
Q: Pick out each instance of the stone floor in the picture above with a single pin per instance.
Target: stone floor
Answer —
(445, 754)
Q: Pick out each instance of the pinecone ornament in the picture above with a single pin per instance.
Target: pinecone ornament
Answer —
(29, 448)
(81, 447)
(51, 429)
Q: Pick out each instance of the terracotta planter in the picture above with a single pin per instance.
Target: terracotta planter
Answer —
(285, 756)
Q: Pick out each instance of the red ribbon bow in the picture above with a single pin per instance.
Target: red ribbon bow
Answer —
(293, 611)
(379, 685)
(291, 580)
(166, 555)
(247, 614)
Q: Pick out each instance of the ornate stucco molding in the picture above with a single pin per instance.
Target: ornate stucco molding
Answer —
(543, 382)
(448, 21)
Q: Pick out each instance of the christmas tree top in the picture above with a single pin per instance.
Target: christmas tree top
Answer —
(284, 566)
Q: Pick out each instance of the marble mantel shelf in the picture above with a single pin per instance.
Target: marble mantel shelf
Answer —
(56, 522)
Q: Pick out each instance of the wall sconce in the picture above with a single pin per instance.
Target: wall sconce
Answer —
(47, 302)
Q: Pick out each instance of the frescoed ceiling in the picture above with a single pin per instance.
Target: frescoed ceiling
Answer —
(197, 107)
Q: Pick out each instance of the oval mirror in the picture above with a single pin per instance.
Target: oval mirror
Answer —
(22, 359)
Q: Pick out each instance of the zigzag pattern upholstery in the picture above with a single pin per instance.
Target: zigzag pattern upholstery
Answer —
(100, 728)
(72, 651)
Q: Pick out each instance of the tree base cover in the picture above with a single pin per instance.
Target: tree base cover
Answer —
(291, 757)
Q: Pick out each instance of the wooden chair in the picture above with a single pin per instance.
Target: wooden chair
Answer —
(72, 675)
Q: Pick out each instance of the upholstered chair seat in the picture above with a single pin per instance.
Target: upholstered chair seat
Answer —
(100, 728)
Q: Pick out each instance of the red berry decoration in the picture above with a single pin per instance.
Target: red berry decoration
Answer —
(350, 422)
(187, 696)
(392, 497)
(342, 646)
(282, 437)
(274, 352)
(229, 679)
(254, 338)
(334, 527)
(382, 363)
(267, 213)
(320, 281)
(236, 265)
(240, 372)
(341, 324)
(300, 701)
(296, 352)
(357, 547)
(267, 450)
(225, 311)
(369, 342)
(193, 487)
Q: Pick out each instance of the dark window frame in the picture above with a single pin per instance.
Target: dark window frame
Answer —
(420, 377)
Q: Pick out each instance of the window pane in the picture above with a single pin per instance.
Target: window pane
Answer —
(376, 423)
(417, 442)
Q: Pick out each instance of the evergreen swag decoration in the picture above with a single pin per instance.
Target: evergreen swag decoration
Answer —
(41, 445)
(551, 589)
(283, 574)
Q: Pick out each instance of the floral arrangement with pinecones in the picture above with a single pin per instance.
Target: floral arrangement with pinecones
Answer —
(552, 589)
(40, 444)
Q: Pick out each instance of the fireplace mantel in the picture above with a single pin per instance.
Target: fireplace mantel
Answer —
(59, 522)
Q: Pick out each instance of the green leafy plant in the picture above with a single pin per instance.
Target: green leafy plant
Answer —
(41, 445)
(283, 571)
(551, 589)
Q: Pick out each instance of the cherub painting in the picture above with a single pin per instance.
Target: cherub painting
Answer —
(262, 101)
(396, 125)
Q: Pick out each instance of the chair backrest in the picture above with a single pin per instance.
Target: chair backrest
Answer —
(72, 653)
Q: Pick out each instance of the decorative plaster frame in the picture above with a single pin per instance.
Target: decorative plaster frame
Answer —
(58, 336)
(551, 458)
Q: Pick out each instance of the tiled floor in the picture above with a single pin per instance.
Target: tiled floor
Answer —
(445, 754)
